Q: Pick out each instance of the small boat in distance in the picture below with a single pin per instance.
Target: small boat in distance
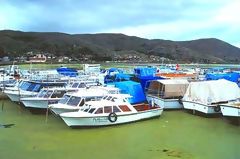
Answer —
(115, 109)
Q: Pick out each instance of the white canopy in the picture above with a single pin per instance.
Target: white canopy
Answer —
(208, 92)
(168, 88)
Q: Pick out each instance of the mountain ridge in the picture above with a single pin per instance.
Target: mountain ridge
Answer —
(206, 50)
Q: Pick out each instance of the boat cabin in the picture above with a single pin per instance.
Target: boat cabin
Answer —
(78, 101)
(53, 93)
(37, 86)
(167, 89)
(84, 84)
(117, 103)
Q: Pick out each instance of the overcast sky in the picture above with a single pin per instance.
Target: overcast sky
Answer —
(153, 19)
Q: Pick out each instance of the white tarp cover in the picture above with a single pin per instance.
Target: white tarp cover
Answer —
(207, 92)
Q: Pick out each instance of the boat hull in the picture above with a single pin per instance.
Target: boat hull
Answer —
(16, 97)
(228, 110)
(38, 103)
(165, 103)
(104, 121)
(58, 111)
(207, 109)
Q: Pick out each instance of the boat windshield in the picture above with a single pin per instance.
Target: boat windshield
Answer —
(42, 93)
(75, 85)
(48, 94)
(109, 98)
(81, 85)
(31, 87)
(105, 97)
(64, 99)
(24, 86)
(74, 101)
(36, 88)
(91, 99)
(58, 93)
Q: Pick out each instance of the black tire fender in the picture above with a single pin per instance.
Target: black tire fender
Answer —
(217, 108)
(112, 117)
(180, 100)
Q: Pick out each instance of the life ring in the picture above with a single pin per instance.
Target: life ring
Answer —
(112, 117)
(217, 108)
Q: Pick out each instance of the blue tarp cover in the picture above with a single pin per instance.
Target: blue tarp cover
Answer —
(145, 71)
(115, 70)
(132, 88)
(67, 71)
(228, 76)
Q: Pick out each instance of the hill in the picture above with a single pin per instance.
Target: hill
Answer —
(15, 43)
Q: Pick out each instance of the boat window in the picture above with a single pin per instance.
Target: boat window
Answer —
(112, 92)
(36, 88)
(113, 99)
(99, 111)
(64, 99)
(115, 109)
(91, 110)
(73, 101)
(42, 93)
(124, 108)
(90, 99)
(31, 87)
(75, 85)
(105, 97)
(58, 93)
(108, 98)
(81, 85)
(85, 110)
(82, 102)
(25, 85)
(98, 98)
(107, 109)
(48, 94)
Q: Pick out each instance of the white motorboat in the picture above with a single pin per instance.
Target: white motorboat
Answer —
(75, 101)
(45, 97)
(112, 110)
(29, 89)
(231, 109)
(205, 96)
(167, 93)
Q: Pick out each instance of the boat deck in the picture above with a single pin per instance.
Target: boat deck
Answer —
(143, 107)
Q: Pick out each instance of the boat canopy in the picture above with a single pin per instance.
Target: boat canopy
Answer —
(169, 88)
(210, 92)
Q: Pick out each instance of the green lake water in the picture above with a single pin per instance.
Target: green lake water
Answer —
(176, 134)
